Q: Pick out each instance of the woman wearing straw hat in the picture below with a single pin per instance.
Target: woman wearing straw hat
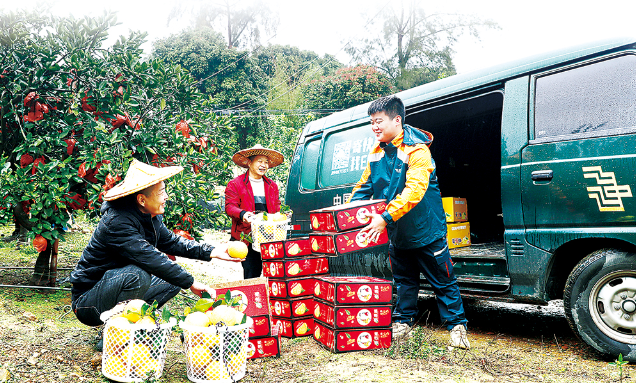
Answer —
(252, 193)
(126, 256)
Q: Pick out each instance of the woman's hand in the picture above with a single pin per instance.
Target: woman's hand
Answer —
(248, 217)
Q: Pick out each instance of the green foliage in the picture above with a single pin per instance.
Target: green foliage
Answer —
(619, 363)
(85, 112)
(348, 87)
(413, 46)
(231, 78)
(418, 345)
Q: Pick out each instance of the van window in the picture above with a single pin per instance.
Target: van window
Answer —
(593, 100)
(310, 165)
(345, 156)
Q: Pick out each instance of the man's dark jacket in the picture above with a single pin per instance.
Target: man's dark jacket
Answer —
(127, 236)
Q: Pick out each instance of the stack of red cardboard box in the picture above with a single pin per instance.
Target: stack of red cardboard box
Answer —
(264, 339)
(351, 313)
(290, 268)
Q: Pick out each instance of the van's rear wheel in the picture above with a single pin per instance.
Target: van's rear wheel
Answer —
(600, 302)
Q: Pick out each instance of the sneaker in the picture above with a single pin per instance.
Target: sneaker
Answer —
(100, 345)
(400, 330)
(458, 338)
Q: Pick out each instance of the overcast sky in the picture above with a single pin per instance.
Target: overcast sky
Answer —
(325, 26)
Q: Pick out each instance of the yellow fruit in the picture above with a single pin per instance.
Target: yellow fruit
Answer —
(301, 309)
(225, 314)
(297, 289)
(236, 362)
(151, 366)
(295, 249)
(210, 340)
(197, 318)
(217, 371)
(303, 329)
(295, 269)
(314, 244)
(317, 312)
(132, 311)
(317, 289)
(278, 217)
(117, 334)
(314, 222)
(137, 355)
(237, 249)
(317, 333)
(115, 366)
(199, 357)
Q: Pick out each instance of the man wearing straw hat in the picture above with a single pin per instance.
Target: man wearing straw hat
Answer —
(126, 258)
(252, 193)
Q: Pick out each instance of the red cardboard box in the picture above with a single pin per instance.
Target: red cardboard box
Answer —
(345, 217)
(292, 287)
(292, 308)
(261, 327)
(263, 347)
(346, 242)
(296, 267)
(353, 290)
(351, 340)
(290, 248)
(338, 317)
(294, 328)
(254, 297)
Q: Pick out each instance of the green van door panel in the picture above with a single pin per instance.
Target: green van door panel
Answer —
(514, 136)
(577, 174)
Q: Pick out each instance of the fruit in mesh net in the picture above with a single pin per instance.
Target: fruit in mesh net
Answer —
(115, 366)
(225, 314)
(117, 334)
(210, 340)
(199, 357)
(197, 318)
(216, 371)
(237, 249)
(236, 361)
(137, 355)
(132, 310)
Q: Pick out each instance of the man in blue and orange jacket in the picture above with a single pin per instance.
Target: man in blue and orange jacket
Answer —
(401, 170)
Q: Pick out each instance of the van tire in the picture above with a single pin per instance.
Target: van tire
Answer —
(610, 274)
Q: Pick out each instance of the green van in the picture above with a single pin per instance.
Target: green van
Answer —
(544, 151)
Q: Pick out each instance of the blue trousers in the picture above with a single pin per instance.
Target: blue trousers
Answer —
(435, 263)
(118, 285)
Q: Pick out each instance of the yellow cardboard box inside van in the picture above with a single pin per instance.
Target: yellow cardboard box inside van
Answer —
(458, 234)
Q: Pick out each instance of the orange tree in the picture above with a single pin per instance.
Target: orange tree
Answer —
(74, 114)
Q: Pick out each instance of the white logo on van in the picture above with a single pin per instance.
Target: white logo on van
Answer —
(608, 195)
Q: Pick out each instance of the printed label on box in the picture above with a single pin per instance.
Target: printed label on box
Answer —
(291, 288)
(352, 316)
(346, 216)
(263, 347)
(261, 326)
(253, 295)
(290, 248)
(296, 267)
(294, 328)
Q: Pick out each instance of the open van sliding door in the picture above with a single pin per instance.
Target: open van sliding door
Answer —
(577, 169)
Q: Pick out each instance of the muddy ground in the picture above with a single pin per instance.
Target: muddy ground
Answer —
(510, 343)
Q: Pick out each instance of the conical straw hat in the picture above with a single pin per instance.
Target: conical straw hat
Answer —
(139, 177)
(242, 157)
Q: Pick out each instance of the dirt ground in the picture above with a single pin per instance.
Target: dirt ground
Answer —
(41, 341)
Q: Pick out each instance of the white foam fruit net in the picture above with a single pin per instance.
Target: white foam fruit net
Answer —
(268, 231)
(134, 352)
(216, 353)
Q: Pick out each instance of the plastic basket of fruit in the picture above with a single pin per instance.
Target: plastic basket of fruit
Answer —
(216, 344)
(268, 228)
(135, 341)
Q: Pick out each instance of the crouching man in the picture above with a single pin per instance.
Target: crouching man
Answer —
(401, 171)
(126, 258)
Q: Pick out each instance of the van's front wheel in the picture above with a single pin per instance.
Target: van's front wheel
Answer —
(600, 302)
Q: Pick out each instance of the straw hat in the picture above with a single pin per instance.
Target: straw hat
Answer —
(242, 157)
(138, 177)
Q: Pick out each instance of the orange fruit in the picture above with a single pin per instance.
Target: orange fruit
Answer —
(237, 249)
